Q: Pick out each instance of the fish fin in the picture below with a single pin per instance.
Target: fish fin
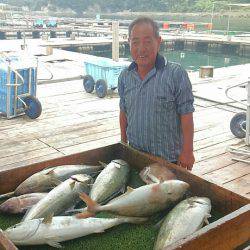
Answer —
(99, 231)
(26, 213)
(92, 205)
(55, 181)
(129, 189)
(54, 242)
(50, 170)
(25, 209)
(117, 165)
(72, 185)
(154, 179)
(84, 215)
(103, 164)
(116, 195)
(134, 220)
(206, 218)
(158, 224)
(48, 219)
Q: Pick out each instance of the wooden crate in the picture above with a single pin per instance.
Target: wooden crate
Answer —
(229, 232)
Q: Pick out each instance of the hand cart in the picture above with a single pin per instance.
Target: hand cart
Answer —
(18, 79)
(102, 74)
(240, 123)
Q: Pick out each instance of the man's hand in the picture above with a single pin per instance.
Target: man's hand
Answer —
(123, 126)
(186, 159)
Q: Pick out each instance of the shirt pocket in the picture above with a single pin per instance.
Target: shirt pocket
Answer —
(164, 105)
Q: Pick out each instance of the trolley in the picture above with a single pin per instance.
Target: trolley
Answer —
(18, 79)
(240, 123)
(102, 75)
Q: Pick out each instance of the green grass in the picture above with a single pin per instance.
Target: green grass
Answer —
(122, 237)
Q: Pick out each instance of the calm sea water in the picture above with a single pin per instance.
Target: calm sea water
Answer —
(190, 60)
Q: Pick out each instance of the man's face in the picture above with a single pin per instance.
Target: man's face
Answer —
(144, 45)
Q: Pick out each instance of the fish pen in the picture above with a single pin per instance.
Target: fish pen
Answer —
(227, 228)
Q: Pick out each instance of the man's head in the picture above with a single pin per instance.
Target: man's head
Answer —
(144, 42)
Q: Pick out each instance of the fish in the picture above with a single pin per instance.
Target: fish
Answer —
(49, 178)
(52, 230)
(184, 219)
(110, 181)
(140, 202)
(108, 184)
(156, 173)
(20, 204)
(61, 198)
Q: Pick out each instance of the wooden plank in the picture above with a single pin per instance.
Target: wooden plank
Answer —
(201, 123)
(26, 162)
(213, 131)
(226, 233)
(213, 163)
(73, 138)
(13, 148)
(46, 125)
(204, 103)
(212, 140)
(228, 173)
(35, 125)
(240, 185)
(214, 150)
(26, 156)
(91, 144)
(6, 244)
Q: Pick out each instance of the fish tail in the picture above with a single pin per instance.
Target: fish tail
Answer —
(84, 215)
(92, 205)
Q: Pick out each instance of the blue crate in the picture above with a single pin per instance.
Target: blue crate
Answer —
(23, 89)
(106, 69)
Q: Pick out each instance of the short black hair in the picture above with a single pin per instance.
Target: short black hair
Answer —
(146, 20)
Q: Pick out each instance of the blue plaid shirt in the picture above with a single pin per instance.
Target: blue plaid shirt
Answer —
(153, 107)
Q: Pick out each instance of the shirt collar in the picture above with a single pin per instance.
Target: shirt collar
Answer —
(159, 63)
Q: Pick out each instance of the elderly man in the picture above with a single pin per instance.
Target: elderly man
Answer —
(156, 100)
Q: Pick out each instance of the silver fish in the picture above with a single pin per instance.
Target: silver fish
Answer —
(143, 201)
(61, 228)
(49, 178)
(20, 204)
(184, 219)
(110, 181)
(61, 198)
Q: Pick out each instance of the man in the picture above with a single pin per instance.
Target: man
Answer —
(156, 100)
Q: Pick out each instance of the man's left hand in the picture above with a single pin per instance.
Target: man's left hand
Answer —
(186, 160)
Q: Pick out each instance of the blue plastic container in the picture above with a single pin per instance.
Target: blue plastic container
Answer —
(22, 89)
(105, 69)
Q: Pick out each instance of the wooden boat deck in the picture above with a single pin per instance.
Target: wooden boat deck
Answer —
(73, 121)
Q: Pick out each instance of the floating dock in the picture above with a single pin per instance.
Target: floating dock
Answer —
(73, 121)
